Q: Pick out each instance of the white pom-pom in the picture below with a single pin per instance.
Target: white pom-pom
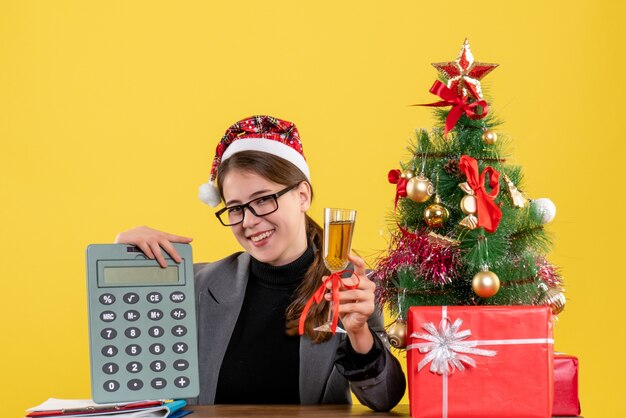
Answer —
(208, 194)
(546, 208)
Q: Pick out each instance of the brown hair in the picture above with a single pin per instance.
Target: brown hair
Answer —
(281, 171)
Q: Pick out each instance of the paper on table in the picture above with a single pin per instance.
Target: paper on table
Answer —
(54, 404)
(161, 411)
(154, 412)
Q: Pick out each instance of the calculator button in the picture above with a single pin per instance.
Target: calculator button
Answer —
(180, 348)
(181, 382)
(155, 314)
(133, 350)
(109, 350)
(158, 383)
(111, 385)
(154, 297)
(134, 367)
(107, 316)
(107, 299)
(110, 368)
(178, 313)
(131, 298)
(177, 297)
(181, 365)
(108, 333)
(156, 332)
(179, 331)
(131, 315)
(157, 366)
(135, 384)
(157, 348)
(132, 332)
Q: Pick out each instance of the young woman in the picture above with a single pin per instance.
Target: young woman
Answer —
(249, 303)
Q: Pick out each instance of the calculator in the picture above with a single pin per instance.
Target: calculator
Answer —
(142, 325)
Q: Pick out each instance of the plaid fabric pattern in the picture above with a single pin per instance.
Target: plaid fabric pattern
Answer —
(262, 127)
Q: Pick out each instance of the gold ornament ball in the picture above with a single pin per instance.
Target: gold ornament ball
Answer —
(555, 299)
(468, 204)
(407, 174)
(436, 215)
(419, 189)
(485, 284)
(397, 334)
(490, 137)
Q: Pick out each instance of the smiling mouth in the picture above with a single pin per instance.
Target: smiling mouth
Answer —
(261, 236)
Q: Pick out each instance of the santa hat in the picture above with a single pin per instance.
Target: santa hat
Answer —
(256, 133)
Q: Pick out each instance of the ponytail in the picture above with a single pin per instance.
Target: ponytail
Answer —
(312, 281)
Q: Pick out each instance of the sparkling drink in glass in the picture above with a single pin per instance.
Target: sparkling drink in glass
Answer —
(338, 230)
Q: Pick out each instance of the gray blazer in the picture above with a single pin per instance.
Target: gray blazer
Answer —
(220, 289)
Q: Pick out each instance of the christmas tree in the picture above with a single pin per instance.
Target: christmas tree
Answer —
(464, 232)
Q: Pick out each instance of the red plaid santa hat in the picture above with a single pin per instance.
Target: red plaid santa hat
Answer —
(257, 133)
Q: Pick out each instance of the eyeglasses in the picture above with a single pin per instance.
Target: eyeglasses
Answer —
(260, 206)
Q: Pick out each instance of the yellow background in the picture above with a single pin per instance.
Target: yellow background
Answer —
(110, 112)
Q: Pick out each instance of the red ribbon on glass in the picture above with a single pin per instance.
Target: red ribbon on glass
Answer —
(489, 214)
(459, 105)
(318, 296)
(395, 177)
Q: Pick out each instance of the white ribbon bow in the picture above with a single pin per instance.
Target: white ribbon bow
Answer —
(447, 349)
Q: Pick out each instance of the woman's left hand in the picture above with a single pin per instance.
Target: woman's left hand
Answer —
(356, 306)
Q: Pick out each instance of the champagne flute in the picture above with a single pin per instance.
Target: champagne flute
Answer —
(338, 230)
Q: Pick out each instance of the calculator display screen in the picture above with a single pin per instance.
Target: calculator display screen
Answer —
(140, 275)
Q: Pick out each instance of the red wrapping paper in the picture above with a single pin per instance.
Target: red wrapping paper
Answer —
(515, 383)
(566, 402)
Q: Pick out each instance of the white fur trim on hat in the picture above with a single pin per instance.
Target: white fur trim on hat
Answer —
(271, 147)
(209, 194)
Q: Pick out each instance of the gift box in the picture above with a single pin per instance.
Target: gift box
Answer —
(566, 402)
(480, 361)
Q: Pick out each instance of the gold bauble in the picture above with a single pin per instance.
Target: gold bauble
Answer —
(485, 284)
(490, 137)
(407, 174)
(419, 189)
(555, 299)
(436, 215)
(468, 204)
(397, 334)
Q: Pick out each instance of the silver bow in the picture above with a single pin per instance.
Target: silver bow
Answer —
(447, 349)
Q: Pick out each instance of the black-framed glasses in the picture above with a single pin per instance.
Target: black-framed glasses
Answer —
(260, 206)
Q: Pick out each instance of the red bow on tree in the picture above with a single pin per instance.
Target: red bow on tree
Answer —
(489, 214)
(459, 104)
(395, 177)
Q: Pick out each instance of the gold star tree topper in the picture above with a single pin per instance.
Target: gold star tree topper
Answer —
(463, 71)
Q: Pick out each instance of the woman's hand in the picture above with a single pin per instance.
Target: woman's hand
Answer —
(356, 306)
(151, 241)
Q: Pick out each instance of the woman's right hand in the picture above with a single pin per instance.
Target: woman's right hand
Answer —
(151, 242)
